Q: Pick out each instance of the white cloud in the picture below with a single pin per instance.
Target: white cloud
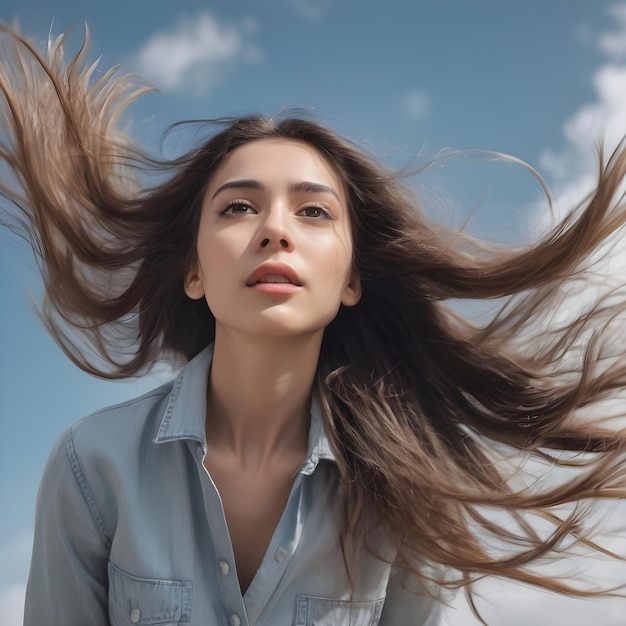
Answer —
(613, 44)
(416, 104)
(506, 604)
(195, 54)
(15, 553)
(12, 605)
(572, 174)
(503, 603)
(572, 169)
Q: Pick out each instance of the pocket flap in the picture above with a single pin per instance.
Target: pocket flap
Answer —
(149, 601)
(315, 611)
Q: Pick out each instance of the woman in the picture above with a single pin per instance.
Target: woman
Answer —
(331, 447)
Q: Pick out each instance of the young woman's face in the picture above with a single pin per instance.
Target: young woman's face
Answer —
(274, 253)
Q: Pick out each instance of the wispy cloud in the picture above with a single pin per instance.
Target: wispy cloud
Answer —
(15, 551)
(572, 169)
(12, 605)
(196, 53)
(613, 44)
(416, 103)
(312, 10)
(572, 174)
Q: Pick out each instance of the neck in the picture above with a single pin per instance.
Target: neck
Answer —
(258, 400)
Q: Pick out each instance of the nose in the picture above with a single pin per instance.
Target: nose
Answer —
(266, 242)
(274, 232)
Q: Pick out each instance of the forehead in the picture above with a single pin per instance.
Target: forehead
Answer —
(277, 161)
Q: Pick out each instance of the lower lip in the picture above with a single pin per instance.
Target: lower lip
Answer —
(276, 288)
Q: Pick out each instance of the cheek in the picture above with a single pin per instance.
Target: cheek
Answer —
(219, 252)
(335, 261)
(344, 253)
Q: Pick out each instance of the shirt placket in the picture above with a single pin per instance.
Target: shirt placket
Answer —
(246, 610)
(229, 590)
(266, 584)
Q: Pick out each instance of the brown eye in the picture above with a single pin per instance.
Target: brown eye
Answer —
(238, 208)
(316, 212)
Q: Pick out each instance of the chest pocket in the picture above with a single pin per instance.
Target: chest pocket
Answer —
(313, 611)
(135, 601)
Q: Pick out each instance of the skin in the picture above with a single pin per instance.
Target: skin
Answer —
(268, 335)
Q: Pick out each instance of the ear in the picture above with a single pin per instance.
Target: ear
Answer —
(352, 291)
(194, 287)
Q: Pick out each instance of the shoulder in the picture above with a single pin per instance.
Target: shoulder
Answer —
(96, 460)
(101, 447)
(120, 424)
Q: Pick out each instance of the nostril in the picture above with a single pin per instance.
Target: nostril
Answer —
(283, 243)
(264, 242)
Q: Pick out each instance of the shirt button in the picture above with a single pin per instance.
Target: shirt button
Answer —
(135, 616)
(234, 620)
(280, 554)
(224, 568)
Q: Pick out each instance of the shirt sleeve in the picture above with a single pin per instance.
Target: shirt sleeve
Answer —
(67, 584)
(407, 603)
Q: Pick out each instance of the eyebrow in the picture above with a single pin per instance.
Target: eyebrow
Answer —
(312, 188)
(303, 186)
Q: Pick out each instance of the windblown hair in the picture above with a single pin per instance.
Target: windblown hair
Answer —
(423, 408)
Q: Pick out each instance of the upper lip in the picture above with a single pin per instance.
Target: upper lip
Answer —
(281, 269)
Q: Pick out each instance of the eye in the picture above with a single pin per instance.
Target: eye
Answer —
(316, 211)
(237, 207)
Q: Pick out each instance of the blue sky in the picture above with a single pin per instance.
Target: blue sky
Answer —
(543, 80)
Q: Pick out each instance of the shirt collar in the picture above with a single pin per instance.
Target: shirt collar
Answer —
(319, 446)
(185, 414)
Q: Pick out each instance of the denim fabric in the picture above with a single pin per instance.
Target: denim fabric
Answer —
(130, 529)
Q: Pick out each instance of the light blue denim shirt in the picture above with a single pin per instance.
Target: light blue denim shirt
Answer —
(130, 529)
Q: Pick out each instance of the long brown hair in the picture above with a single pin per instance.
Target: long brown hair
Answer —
(422, 407)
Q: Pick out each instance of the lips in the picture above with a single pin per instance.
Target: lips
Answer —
(272, 273)
(273, 278)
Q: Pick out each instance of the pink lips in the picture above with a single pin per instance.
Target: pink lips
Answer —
(274, 278)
